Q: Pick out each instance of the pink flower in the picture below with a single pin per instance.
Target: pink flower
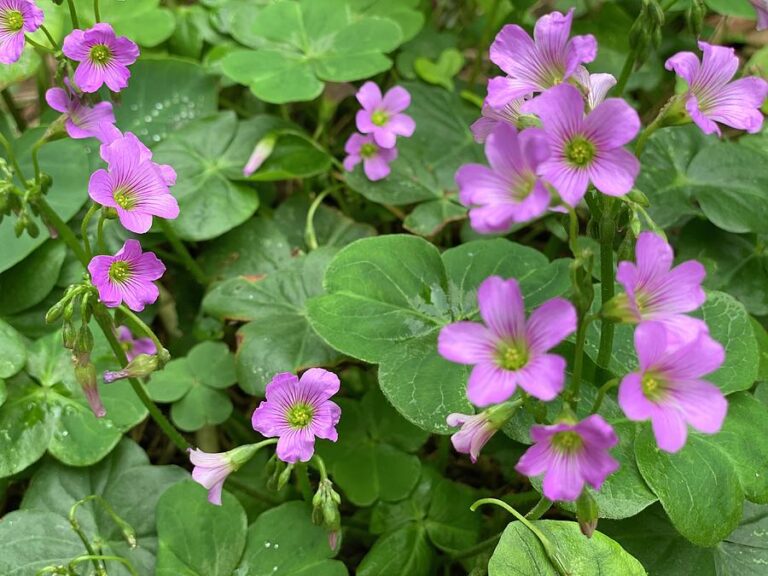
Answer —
(17, 17)
(509, 191)
(375, 159)
(668, 389)
(761, 7)
(507, 351)
(712, 97)
(570, 455)
(477, 429)
(104, 58)
(382, 116)
(534, 65)
(128, 277)
(82, 121)
(491, 117)
(212, 469)
(298, 411)
(595, 86)
(586, 148)
(134, 346)
(133, 185)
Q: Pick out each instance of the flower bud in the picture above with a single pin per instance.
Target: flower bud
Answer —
(261, 152)
(325, 510)
(141, 366)
(55, 312)
(69, 334)
(694, 16)
(84, 340)
(586, 513)
(85, 373)
(638, 198)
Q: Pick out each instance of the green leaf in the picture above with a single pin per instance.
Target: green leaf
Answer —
(403, 551)
(194, 536)
(738, 8)
(210, 202)
(429, 218)
(302, 43)
(163, 95)
(520, 552)
(448, 65)
(143, 21)
(24, 68)
(194, 384)
(387, 299)
(32, 279)
(744, 552)
(429, 43)
(14, 351)
(130, 485)
(427, 162)
(702, 487)
(284, 541)
(405, 13)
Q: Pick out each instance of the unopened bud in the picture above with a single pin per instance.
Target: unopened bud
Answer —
(694, 16)
(284, 476)
(141, 366)
(638, 198)
(69, 334)
(261, 152)
(20, 226)
(86, 377)
(84, 340)
(586, 513)
(325, 506)
(55, 312)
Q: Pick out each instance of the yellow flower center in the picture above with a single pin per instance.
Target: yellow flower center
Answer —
(300, 415)
(119, 271)
(100, 54)
(512, 356)
(653, 388)
(14, 20)
(379, 118)
(368, 150)
(125, 198)
(579, 151)
(568, 441)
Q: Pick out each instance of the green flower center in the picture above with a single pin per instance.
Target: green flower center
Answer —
(119, 271)
(568, 441)
(379, 117)
(300, 415)
(512, 356)
(368, 150)
(653, 389)
(14, 20)
(125, 198)
(579, 151)
(100, 54)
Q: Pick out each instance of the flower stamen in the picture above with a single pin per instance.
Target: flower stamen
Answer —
(579, 151)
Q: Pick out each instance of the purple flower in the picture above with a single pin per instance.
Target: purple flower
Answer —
(492, 117)
(477, 429)
(570, 455)
(134, 186)
(534, 65)
(212, 469)
(127, 277)
(509, 191)
(375, 159)
(82, 121)
(586, 148)
(508, 351)
(382, 116)
(297, 411)
(17, 17)
(595, 86)
(761, 7)
(261, 152)
(712, 97)
(668, 389)
(134, 346)
(654, 290)
(104, 58)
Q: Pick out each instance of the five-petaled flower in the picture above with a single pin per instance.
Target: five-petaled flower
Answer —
(509, 191)
(134, 185)
(712, 97)
(128, 277)
(82, 121)
(17, 17)
(134, 346)
(668, 388)
(382, 116)
(104, 58)
(375, 159)
(570, 454)
(586, 148)
(297, 411)
(507, 351)
(534, 65)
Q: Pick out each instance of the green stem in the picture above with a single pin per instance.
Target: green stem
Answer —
(37, 45)
(123, 561)
(50, 38)
(309, 229)
(181, 250)
(84, 230)
(35, 161)
(607, 273)
(141, 326)
(102, 249)
(573, 234)
(477, 548)
(12, 158)
(52, 218)
(652, 127)
(96, 13)
(302, 479)
(549, 549)
(626, 71)
(578, 362)
(127, 530)
(541, 508)
(83, 538)
(107, 327)
(601, 394)
(318, 463)
(21, 124)
(73, 14)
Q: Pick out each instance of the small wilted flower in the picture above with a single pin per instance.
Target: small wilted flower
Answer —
(595, 86)
(104, 58)
(128, 277)
(297, 411)
(491, 117)
(261, 152)
(586, 148)
(17, 17)
(570, 455)
(507, 351)
(212, 469)
(375, 159)
(668, 388)
(85, 374)
(134, 346)
(382, 116)
(509, 191)
(476, 430)
(538, 63)
(82, 121)
(140, 366)
(711, 97)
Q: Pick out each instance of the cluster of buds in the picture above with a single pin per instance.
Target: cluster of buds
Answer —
(645, 33)
(21, 203)
(279, 473)
(325, 511)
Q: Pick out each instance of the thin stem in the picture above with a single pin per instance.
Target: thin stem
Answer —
(107, 327)
(626, 71)
(573, 234)
(52, 218)
(578, 361)
(50, 38)
(302, 479)
(123, 561)
(102, 249)
(309, 229)
(601, 394)
(38, 45)
(12, 158)
(73, 14)
(650, 129)
(549, 549)
(21, 124)
(96, 13)
(607, 273)
(140, 325)
(318, 463)
(128, 532)
(181, 250)
(541, 508)
(84, 229)
(81, 534)
(35, 161)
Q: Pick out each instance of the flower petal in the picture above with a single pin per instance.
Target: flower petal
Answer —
(488, 384)
(466, 343)
(613, 172)
(550, 324)
(501, 307)
(543, 377)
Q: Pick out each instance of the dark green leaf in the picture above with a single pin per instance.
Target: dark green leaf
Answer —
(32, 279)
